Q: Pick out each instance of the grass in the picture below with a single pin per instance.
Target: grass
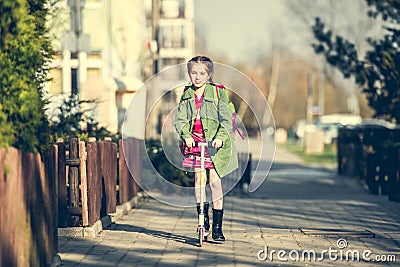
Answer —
(328, 156)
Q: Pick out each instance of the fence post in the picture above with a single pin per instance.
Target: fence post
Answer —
(62, 185)
(73, 173)
(84, 189)
(135, 153)
(94, 185)
(394, 166)
(109, 174)
(371, 161)
(51, 171)
(114, 174)
(385, 162)
(123, 175)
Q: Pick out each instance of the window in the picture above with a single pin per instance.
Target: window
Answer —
(74, 81)
(172, 8)
(172, 61)
(94, 55)
(181, 8)
(166, 62)
(172, 36)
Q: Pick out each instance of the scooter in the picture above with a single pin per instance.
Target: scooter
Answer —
(200, 228)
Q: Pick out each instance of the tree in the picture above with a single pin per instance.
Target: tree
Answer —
(377, 72)
(351, 20)
(73, 117)
(24, 63)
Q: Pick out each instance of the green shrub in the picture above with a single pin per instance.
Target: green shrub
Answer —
(24, 63)
(74, 118)
(164, 167)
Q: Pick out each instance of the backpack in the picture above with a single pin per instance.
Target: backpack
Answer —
(216, 93)
(219, 87)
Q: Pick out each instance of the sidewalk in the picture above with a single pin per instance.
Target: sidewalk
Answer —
(299, 208)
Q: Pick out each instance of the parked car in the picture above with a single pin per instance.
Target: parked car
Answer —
(341, 118)
(330, 125)
(374, 123)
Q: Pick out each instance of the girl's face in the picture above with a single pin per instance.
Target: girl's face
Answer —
(199, 74)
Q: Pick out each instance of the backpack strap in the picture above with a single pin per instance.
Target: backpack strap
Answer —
(184, 90)
(215, 94)
(234, 127)
(218, 86)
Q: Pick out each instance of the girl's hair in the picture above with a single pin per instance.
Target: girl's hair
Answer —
(203, 60)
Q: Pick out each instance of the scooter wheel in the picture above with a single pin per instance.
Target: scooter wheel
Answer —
(201, 236)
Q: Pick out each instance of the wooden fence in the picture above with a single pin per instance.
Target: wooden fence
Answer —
(28, 212)
(93, 179)
(74, 187)
(75, 184)
(372, 154)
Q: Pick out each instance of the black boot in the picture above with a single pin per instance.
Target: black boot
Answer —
(217, 234)
(206, 217)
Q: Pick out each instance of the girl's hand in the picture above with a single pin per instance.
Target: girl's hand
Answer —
(217, 143)
(189, 142)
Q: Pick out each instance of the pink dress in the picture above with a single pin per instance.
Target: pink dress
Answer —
(192, 156)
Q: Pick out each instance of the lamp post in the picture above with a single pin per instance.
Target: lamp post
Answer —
(155, 16)
(310, 93)
(76, 7)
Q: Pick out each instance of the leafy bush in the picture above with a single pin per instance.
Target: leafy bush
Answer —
(165, 168)
(24, 63)
(74, 118)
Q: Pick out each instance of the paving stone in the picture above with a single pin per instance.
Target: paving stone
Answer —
(278, 216)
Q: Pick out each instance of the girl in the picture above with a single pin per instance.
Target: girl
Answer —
(204, 115)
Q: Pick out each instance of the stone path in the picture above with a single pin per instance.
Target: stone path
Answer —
(299, 210)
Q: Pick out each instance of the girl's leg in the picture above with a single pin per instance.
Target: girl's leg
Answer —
(216, 190)
(197, 189)
(197, 174)
(217, 197)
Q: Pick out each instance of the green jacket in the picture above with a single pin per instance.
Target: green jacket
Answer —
(216, 118)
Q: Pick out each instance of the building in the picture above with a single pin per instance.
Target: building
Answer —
(109, 51)
(106, 62)
(171, 25)
(172, 29)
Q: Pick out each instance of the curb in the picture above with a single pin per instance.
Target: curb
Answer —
(103, 223)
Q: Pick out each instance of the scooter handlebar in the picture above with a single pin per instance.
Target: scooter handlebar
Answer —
(211, 150)
(208, 144)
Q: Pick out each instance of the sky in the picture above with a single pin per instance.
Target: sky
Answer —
(240, 29)
(239, 32)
